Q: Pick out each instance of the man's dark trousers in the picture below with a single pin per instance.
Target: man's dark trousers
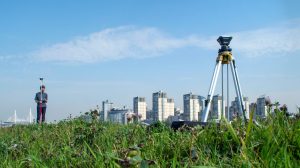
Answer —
(41, 111)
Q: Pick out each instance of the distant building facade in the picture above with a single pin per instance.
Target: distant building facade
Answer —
(216, 110)
(122, 116)
(162, 106)
(140, 107)
(246, 104)
(192, 108)
(149, 115)
(234, 108)
(261, 107)
(171, 107)
(106, 108)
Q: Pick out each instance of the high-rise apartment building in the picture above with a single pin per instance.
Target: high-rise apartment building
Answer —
(192, 108)
(261, 107)
(106, 107)
(140, 107)
(162, 106)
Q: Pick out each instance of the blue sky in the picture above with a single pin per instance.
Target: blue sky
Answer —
(89, 51)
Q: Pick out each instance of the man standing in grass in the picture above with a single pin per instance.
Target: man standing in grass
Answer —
(41, 98)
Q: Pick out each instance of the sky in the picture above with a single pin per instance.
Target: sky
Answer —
(90, 51)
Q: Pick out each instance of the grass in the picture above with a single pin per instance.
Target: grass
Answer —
(75, 143)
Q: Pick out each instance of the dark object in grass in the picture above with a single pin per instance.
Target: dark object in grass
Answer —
(187, 124)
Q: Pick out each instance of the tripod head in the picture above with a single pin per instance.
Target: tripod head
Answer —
(224, 42)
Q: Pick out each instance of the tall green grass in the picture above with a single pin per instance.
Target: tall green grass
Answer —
(75, 143)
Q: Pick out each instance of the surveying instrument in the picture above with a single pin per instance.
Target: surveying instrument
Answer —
(224, 58)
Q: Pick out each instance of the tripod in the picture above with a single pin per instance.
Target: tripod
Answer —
(224, 58)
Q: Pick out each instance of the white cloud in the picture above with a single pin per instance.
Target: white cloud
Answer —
(112, 44)
(268, 41)
(131, 42)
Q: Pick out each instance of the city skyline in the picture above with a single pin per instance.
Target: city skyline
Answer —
(92, 51)
(193, 106)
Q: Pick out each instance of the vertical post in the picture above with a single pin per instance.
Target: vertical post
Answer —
(41, 104)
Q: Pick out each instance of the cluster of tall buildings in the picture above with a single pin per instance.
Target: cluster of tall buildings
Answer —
(163, 109)
(119, 115)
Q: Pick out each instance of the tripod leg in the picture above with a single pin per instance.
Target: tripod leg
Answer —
(213, 78)
(223, 112)
(240, 90)
(228, 93)
(236, 87)
(211, 92)
(205, 111)
(239, 96)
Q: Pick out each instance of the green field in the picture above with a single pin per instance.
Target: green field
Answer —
(75, 143)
